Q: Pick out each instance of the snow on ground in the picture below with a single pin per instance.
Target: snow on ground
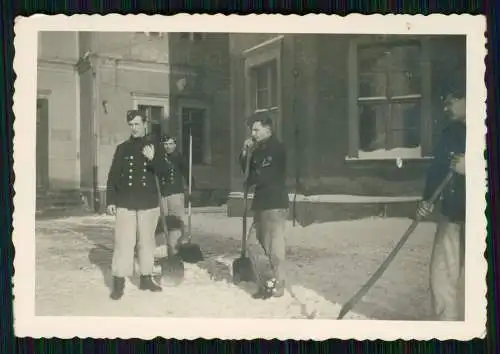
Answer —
(327, 264)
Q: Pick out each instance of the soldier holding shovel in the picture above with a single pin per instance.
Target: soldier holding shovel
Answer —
(445, 179)
(270, 203)
(447, 259)
(172, 192)
(132, 199)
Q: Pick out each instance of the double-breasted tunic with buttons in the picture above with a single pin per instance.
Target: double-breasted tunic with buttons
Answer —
(131, 184)
(172, 182)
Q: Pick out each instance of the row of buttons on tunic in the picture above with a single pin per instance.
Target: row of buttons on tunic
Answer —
(171, 179)
(171, 175)
(132, 170)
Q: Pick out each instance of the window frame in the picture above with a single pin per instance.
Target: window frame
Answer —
(260, 55)
(154, 34)
(191, 36)
(424, 98)
(150, 99)
(267, 68)
(207, 141)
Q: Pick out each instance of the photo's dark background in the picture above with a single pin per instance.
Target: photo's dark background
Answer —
(9, 12)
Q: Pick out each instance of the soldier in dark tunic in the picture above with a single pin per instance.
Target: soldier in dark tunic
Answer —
(172, 191)
(270, 203)
(447, 259)
(132, 198)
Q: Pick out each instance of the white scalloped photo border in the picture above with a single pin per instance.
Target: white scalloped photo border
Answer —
(26, 324)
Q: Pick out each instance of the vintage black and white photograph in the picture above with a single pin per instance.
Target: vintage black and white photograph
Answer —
(182, 172)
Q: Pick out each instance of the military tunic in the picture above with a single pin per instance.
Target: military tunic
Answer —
(177, 172)
(131, 188)
(131, 183)
(452, 141)
(268, 175)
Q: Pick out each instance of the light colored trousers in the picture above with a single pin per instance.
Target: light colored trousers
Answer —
(134, 227)
(173, 205)
(270, 231)
(447, 281)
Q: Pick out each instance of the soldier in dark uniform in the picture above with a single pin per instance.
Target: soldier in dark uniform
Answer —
(172, 191)
(133, 199)
(447, 259)
(270, 202)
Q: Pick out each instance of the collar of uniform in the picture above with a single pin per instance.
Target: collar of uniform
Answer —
(267, 141)
(139, 139)
(172, 154)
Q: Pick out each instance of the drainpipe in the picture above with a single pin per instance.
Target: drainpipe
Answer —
(295, 73)
(297, 147)
(94, 146)
(85, 63)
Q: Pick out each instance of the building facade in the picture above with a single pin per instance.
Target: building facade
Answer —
(88, 80)
(347, 107)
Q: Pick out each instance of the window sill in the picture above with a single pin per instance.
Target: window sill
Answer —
(404, 154)
(338, 198)
(388, 158)
(270, 109)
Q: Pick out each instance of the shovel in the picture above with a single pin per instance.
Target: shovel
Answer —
(368, 285)
(172, 266)
(190, 252)
(243, 267)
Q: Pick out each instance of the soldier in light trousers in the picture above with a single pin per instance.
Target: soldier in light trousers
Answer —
(173, 194)
(132, 197)
(448, 253)
(270, 202)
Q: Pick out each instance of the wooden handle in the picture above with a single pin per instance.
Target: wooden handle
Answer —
(245, 207)
(190, 176)
(366, 287)
(162, 214)
(245, 204)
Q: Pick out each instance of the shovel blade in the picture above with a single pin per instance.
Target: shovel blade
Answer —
(243, 270)
(191, 253)
(172, 271)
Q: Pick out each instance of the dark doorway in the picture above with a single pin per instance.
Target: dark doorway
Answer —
(42, 144)
(194, 120)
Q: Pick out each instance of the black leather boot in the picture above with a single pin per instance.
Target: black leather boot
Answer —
(118, 286)
(279, 288)
(148, 284)
(271, 288)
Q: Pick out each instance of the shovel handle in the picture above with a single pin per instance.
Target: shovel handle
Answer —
(190, 176)
(245, 204)
(378, 273)
(162, 214)
(253, 262)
